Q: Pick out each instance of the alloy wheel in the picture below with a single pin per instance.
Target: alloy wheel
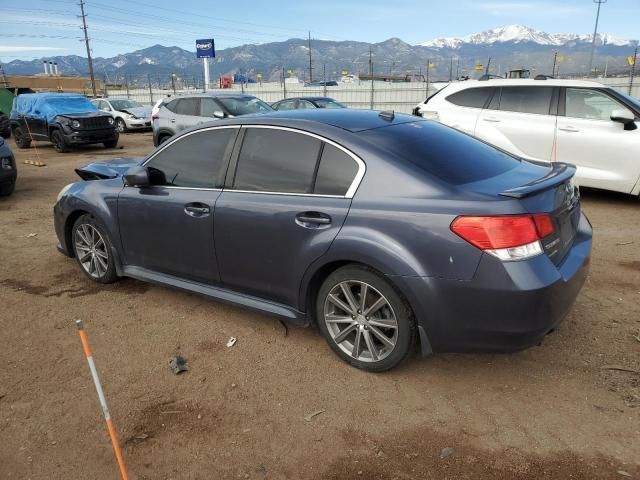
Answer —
(361, 321)
(120, 125)
(91, 250)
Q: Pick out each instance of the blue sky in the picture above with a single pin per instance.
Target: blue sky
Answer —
(51, 27)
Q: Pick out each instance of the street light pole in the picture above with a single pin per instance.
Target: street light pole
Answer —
(595, 33)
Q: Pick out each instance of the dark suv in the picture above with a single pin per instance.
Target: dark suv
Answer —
(8, 172)
(64, 119)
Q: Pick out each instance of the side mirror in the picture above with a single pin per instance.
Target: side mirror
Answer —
(622, 116)
(137, 177)
(218, 114)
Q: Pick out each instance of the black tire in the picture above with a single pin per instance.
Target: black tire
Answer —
(101, 269)
(5, 128)
(59, 142)
(163, 138)
(7, 189)
(395, 310)
(22, 140)
(111, 144)
(121, 125)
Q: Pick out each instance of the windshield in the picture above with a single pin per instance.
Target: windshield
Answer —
(328, 103)
(244, 105)
(71, 104)
(633, 101)
(124, 104)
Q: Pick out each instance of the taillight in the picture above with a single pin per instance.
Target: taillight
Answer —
(155, 117)
(507, 237)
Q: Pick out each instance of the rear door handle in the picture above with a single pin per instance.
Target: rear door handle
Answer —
(196, 210)
(491, 119)
(313, 219)
(173, 120)
(569, 128)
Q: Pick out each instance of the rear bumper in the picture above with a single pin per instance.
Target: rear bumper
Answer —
(507, 306)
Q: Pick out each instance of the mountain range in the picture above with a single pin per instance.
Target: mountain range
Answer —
(509, 47)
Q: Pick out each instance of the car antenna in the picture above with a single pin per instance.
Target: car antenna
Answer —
(387, 115)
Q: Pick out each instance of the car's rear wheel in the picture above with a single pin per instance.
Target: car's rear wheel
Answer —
(59, 143)
(22, 140)
(121, 125)
(92, 249)
(163, 138)
(364, 319)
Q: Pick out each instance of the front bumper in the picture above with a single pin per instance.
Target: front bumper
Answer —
(84, 137)
(507, 306)
(138, 123)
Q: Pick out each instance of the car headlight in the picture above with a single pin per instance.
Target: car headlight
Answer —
(110, 120)
(6, 163)
(63, 191)
(75, 124)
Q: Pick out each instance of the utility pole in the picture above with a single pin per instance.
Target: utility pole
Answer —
(457, 68)
(310, 64)
(427, 87)
(595, 33)
(633, 69)
(451, 69)
(86, 41)
(371, 76)
(555, 59)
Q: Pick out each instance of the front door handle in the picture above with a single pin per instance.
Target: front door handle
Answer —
(173, 120)
(197, 210)
(313, 219)
(569, 128)
(491, 119)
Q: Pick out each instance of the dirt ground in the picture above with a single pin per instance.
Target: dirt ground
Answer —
(555, 411)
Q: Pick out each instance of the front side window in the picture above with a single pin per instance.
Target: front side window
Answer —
(590, 104)
(273, 160)
(329, 103)
(188, 106)
(286, 105)
(471, 97)
(193, 161)
(526, 99)
(208, 106)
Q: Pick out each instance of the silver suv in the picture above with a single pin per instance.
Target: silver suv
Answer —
(176, 114)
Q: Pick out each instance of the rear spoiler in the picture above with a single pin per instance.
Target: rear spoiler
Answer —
(560, 173)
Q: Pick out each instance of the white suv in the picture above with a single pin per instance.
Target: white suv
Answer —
(585, 123)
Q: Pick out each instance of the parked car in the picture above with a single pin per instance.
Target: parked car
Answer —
(321, 83)
(128, 114)
(8, 170)
(306, 102)
(179, 113)
(377, 228)
(585, 123)
(64, 119)
(5, 129)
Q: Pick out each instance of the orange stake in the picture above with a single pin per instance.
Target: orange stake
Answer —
(103, 401)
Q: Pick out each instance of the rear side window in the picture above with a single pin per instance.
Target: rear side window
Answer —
(171, 106)
(194, 161)
(188, 106)
(443, 152)
(526, 99)
(335, 172)
(471, 97)
(274, 160)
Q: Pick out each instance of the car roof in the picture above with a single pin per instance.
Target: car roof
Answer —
(309, 97)
(213, 95)
(522, 82)
(352, 119)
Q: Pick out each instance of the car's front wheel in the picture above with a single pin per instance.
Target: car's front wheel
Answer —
(92, 249)
(364, 319)
(22, 140)
(59, 142)
(121, 125)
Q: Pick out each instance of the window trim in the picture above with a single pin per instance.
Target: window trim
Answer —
(225, 161)
(357, 179)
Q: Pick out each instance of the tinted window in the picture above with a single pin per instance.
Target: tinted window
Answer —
(591, 104)
(188, 106)
(208, 106)
(526, 99)
(471, 97)
(276, 161)
(194, 161)
(244, 105)
(171, 106)
(443, 152)
(336, 172)
(328, 103)
(286, 105)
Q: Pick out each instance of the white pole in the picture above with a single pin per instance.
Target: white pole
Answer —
(205, 66)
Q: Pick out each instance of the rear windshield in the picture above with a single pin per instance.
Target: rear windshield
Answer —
(448, 154)
(244, 105)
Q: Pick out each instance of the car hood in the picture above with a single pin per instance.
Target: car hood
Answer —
(140, 112)
(75, 115)
(109, 169)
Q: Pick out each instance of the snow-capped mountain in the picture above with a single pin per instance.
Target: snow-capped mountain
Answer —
(521, 34)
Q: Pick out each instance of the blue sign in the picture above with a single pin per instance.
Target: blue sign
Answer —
(205, 48)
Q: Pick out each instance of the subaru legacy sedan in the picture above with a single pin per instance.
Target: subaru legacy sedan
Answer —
(384, 231)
